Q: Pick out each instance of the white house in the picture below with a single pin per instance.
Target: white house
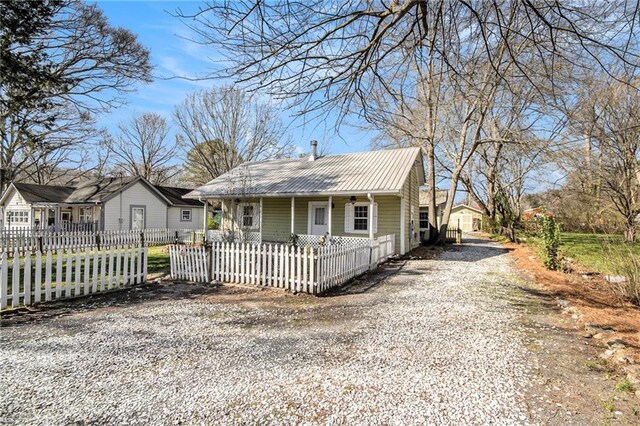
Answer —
(115, 203)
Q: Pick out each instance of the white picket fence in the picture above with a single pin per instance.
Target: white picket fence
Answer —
(60, 275)
(305, 269)
(32, 240)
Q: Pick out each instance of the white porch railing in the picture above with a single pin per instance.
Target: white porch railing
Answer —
(297, 268)
(51, 275)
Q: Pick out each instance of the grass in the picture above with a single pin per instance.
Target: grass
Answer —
(158, 260)
(590, 250)
(625, 386)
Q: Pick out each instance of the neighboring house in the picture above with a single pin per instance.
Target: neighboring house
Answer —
(117, 203)
(441, 200)
(465, 217)
(366, 194)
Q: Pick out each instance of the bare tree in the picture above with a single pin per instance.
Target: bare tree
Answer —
(140, 148)
(57, 75)
(618, 136)
(323, 56)
(224, 127)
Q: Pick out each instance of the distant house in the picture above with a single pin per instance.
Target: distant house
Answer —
(116, 203)
(465, 217)
(441, 200)
(367, 194)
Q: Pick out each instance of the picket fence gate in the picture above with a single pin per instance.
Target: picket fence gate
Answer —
(61, 275)
(295, 268)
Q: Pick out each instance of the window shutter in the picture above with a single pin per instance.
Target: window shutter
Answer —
(239, 215)
(348, 217)
(256, 215)
(375, 217)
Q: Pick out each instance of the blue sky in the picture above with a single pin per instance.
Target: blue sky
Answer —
(174, 55)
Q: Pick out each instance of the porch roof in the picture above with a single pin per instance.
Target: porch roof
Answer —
(376, 172)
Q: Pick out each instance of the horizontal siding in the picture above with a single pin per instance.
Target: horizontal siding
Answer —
(139, 195)
(174, 214)
(276, 218)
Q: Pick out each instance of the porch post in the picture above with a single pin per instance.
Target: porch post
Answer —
(260, 219)
(33, 217)
(329, 227)
(57, 219)
(371, 207)
(402, 225)
(293, 215)
(205, 219)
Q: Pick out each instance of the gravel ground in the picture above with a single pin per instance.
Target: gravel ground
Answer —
(435, 342)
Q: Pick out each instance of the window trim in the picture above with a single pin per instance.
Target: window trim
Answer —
(144, 216)
(420, 220)
(182, 212)
(369, 213)
(24, 214)
(255, 217)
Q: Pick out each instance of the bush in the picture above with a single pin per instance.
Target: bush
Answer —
(213, 223)
(550, 235)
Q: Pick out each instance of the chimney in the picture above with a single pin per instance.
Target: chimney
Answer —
(314, 151)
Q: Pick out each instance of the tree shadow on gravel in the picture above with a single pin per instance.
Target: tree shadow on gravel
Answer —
(474, 250)
(118, 298)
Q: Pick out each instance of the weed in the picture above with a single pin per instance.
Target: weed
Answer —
(625, 385)
(608, 405)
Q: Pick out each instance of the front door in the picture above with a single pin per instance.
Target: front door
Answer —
(318, 219)
(137, 218)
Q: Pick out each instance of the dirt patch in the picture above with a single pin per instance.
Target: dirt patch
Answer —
(587, 307)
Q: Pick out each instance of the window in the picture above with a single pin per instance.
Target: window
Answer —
(247, 215)
(18, 216)
(357, 217)
(86, 214)
(319, 215)
(424, 220)
(360, 218)
(185, 215)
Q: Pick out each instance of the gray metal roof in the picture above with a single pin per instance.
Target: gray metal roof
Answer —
(374, 171)
(441, 196)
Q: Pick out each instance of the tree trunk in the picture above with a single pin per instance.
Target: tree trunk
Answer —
(431, 177)
(630, 230)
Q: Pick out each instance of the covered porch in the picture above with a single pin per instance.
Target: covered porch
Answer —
(355, 220)
(66, 217)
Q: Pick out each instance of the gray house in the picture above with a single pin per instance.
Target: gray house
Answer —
(115, 203)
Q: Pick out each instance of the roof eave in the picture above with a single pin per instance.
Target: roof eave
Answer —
(191, 195)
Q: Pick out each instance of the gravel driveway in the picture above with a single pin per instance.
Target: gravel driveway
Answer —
(436, 341)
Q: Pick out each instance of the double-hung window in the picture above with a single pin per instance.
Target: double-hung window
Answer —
(248, 215)
(358, 217)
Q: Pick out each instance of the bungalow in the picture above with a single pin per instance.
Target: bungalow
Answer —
(441, 200)
(115, 203)
(466, 218)
(367, 194)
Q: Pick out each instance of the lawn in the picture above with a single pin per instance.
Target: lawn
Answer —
(158, 260)
(595, 251)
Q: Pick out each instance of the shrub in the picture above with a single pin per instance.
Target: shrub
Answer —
(550, 234)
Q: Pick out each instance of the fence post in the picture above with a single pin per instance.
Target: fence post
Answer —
(141, 238)
(98, 241)
(39, 243)
(175, 240)
(208, 249)
(459, 236)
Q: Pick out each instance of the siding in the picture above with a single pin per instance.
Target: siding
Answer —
(174, 214)
(277, 217)
(16, 202)
(457, 217)
(138, 195)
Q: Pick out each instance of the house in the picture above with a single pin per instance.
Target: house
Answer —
(466, 217)
(366, 194)
(441, 200)
(114, 203)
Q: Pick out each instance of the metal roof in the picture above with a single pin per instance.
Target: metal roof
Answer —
(441, 196)
(381, 172)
